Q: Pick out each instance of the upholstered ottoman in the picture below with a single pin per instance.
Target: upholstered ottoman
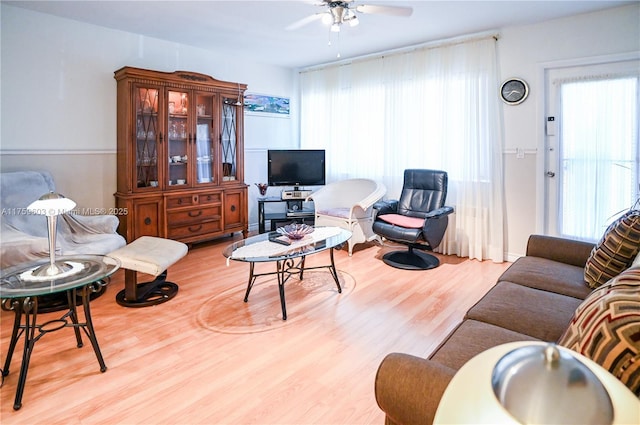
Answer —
(152, 256)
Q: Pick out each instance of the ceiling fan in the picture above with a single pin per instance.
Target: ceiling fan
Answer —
(344, 12)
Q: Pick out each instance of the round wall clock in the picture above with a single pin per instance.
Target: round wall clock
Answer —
(514, 91)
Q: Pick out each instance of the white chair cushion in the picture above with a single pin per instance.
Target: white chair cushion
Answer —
(150, 255)
(336, 212)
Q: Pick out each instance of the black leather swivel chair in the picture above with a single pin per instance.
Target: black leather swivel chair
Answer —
(418, 219)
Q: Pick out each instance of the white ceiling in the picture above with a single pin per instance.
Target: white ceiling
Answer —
(258, 28)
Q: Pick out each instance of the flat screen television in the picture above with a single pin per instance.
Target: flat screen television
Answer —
(296, 167)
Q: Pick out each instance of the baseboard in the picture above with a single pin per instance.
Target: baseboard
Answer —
(511, 257)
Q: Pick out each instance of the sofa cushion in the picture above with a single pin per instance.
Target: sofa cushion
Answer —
(616, 250)
(548, 275)
(408, 388)
(18, 247)
(562, 250)
(19, 189)
(606, 328)
(540, 314)
(471, 338)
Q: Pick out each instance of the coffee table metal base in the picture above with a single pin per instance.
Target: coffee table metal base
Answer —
(284, 270)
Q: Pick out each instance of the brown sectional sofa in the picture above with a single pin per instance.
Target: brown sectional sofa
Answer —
(533, 300)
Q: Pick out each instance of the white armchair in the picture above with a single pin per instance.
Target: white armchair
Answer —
(348, 204)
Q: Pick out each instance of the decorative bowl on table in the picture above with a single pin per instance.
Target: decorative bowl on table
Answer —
(295, 231)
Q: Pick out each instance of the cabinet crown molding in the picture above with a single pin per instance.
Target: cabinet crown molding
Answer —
(177, 77)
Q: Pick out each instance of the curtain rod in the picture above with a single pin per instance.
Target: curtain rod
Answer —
(422, 46)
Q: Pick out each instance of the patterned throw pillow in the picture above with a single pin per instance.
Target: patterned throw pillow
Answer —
(616, 250)
(606, 328)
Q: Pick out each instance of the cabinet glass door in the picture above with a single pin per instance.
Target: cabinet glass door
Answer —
(228, 139)
(204, 138)
(146, 136)
(178, 138)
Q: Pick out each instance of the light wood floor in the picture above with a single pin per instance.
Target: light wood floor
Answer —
(165, 368)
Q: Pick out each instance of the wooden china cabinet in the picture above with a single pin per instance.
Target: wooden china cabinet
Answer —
(180, 156)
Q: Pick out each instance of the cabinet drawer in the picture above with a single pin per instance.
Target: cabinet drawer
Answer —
(178, 201)
(195, 215)
(191, 200)
(210, 198)
(187, 230)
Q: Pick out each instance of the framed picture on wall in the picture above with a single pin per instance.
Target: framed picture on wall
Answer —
(263, 104)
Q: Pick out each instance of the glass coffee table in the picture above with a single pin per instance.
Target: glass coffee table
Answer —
(289, 259)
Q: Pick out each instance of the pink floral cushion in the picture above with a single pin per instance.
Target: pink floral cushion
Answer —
(403, 220)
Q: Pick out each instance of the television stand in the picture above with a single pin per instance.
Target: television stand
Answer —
(294, 213)
(300, 213)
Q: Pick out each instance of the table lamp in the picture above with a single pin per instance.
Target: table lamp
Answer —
(543, 385)
(51, 205)
(535, 383)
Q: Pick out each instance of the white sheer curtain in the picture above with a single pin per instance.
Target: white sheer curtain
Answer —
(434, 107)
(599, 151)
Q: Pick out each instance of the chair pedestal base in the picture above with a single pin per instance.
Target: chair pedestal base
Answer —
(146, 294)
(410, 260)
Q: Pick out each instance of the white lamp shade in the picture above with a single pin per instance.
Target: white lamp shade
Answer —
(51, 204)
(470, 399)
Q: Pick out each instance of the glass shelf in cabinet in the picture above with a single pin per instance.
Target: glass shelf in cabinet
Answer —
(146, 162)
(178, 160)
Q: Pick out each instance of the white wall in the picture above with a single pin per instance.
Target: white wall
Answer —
(58, 99)
(524, 52)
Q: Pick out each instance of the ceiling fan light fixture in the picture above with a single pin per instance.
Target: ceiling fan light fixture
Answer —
(339, 13)
(327, 18)
(351, 18)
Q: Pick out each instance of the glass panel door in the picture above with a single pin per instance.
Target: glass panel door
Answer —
(204, 137)
(178, 138)
(592, 168)
(598, 162)
(146, 146)
(228, 139)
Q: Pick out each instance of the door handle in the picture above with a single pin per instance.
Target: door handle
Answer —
(551, 174)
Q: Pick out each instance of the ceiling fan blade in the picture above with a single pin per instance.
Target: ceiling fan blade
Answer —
(304, 21)
(385, 10)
